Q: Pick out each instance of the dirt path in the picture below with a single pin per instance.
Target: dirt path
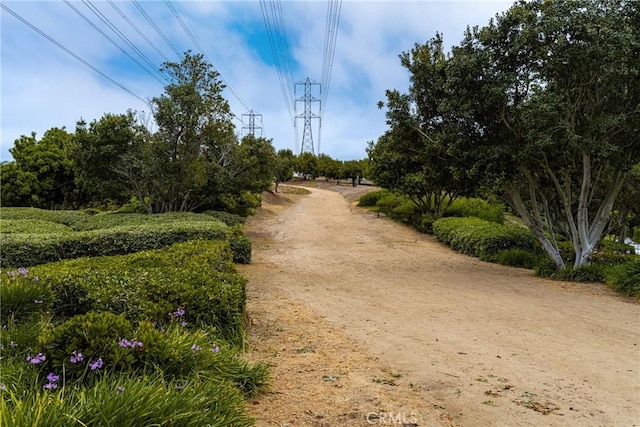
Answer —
(369, 323)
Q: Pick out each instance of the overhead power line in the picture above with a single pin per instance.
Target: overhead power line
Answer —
(202, 51)
(74, 55)
(105, 35)
(334, 7)
(155, 27)
(137, 30)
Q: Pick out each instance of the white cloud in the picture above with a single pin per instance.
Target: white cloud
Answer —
(43, 87)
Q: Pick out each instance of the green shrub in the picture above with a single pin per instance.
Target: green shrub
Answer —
(93, 335)
(481, 238)
(610, 253)
(369, 200)
(226, 217)
(516, 258)
(478, 208)
(625, 278)
(585, 273)
(116, 219)
(61, 217)
(23, 296)
(27, 250)
(196, 276)
(636, 234)
(545, 267)
(31, 226)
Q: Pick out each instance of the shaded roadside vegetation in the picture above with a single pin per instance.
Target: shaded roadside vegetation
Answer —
(151, 336)
(476, 227)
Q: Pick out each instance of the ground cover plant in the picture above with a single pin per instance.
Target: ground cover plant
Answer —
(82, 339)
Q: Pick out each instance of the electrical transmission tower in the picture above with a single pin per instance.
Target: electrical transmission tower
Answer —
(252, 128)
(307, 115)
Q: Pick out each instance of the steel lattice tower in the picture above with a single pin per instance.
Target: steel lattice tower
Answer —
(251, 128)
(307, 115)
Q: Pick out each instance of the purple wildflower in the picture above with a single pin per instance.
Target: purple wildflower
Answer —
(96, 365)
(215, 348)
(178, 313)
(15, 321)
(13, 274)
(37, 359)
(179, 387)
(195, 348)
(183, 323)
(50, 386)
(52, 378)
(120, 389)
(76, 357)
(23, 271)
(125, 343)
(2, 387)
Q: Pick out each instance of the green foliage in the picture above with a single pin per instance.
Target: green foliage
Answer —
(307, 165)
(197, 277)
(242, 204)
(31, 226)
(625, 278)
(284, 166)
(95, 335)
(128, 401)
(584, 273)
(65, 217)
(517, 258)
(636, 234)
(43, 172)
(112, 219)
(481, 238)
(610, 253)
(371, 199)
(23, 296)
(28, 250)
(226, 217)
(478, 208)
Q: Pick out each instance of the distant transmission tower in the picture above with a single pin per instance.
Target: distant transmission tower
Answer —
(307, 115)
(252, 128)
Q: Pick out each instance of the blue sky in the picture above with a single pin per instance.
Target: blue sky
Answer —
(44, 87)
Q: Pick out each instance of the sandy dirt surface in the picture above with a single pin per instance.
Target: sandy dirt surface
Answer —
(367, 322)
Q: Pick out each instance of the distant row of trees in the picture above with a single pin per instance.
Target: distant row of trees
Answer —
(193, 161)
(540, 107)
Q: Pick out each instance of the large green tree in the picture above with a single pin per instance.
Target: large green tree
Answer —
(551, 93)
(99, 150)
(42, 173)
(418, 155)
(284, 166)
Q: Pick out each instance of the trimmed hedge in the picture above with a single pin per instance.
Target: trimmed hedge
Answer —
(23, 250)
(111, 220)
(481, 238)
(61, 217)
(197, 277)
(32, 226)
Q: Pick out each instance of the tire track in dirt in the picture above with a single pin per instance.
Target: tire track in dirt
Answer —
(490, 344)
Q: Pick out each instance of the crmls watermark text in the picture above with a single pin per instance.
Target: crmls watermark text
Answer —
(392, 418)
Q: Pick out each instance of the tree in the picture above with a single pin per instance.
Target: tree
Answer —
(284, 165)
(42, 174)
(417, 155)
(99, 150)
(627, 207)
(550, 91)
(256, 164)
(307, 165)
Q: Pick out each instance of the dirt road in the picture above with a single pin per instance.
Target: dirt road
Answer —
(367, 322)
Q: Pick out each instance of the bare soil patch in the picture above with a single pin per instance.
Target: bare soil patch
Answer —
(367, 322)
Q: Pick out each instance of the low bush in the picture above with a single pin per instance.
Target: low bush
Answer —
(478, 208)
(226, 217)
(113, 219)
(31, 226)
(481, 238)
(195, 278)
(371, 199)
(585, 273)
(27, 250)
(68, 218)
(636, 235)
(625, 278)
(611, 253)
(517, 258)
